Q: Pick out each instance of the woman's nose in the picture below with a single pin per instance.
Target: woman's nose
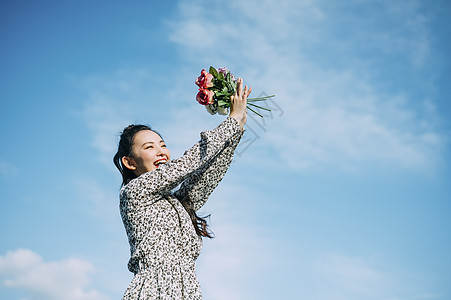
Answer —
(159, 150)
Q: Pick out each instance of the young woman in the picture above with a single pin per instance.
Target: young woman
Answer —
(163, 229)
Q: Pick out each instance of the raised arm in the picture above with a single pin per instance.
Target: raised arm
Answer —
(171, 174)
(201, 183)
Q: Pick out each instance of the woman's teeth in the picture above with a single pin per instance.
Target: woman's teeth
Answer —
(163, 161)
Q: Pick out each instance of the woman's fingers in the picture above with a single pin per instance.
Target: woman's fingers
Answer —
(238, 106)
(239, 87)
(240, 94)
(248, 92)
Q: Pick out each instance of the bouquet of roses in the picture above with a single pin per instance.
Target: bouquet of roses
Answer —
(215, 89)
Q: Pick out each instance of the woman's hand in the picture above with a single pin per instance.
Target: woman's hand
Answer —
(238, 109)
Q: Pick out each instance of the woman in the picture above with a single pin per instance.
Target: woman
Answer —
(163, 229)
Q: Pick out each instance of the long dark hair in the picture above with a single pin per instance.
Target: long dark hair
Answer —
(125, 149)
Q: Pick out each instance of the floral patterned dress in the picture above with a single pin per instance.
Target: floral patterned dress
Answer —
(163, 242)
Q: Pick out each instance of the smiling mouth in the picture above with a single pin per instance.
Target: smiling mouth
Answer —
(160, 162)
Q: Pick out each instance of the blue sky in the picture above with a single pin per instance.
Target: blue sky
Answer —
(341, 193)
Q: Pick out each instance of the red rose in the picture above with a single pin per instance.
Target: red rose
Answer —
(204, 80)
(205, 96)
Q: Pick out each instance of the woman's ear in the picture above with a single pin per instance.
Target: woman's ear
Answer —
(129, 163)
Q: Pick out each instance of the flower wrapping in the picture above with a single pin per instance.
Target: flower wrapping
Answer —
(216, 88)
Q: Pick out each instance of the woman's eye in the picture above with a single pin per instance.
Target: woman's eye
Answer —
(149, 147)
(164, 146)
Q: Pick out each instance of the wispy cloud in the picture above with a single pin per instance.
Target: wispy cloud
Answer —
(337, 115)
(69, 279)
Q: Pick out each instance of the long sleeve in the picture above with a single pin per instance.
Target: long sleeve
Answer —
(201, 183)
(171, 174)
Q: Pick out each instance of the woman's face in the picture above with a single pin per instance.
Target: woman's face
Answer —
(149, 151)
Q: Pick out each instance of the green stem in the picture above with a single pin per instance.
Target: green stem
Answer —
(259, 107)
(255, 112)
(259, 98)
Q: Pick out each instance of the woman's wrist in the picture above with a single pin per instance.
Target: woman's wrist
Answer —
(239, 118)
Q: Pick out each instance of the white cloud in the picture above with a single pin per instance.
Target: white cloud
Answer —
(416, 43)
(67, 279)
(335, 113)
